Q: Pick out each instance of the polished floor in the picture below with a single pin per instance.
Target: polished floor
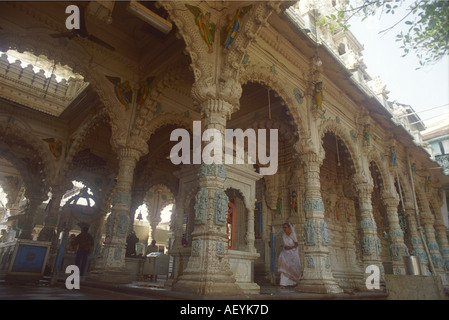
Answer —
(43, 291)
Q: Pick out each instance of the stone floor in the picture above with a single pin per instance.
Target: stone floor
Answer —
(146, 290)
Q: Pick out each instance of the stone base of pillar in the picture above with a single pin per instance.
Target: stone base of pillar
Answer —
(318, 286)
(207, 284)
(317, 275)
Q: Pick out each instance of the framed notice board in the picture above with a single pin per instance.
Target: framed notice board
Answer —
(29, 258)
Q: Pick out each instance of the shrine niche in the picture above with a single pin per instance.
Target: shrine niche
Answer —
(240, 187)
(236, 224)
(192, 212)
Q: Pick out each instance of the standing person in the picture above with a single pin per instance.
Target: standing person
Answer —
(131, 242)
(85, 243)
(289, 265)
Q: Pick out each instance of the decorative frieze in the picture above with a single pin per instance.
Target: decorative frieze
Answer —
(201, 206)
(324, 232)
(196, 247)
(311, 237)
(368, 224)
(313, 205)
(220, 249)
(371, 245)
(217, 170)
(220, 207)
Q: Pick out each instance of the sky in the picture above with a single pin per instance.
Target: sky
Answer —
(421, 89)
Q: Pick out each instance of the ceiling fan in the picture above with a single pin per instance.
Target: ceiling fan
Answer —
(82, 33)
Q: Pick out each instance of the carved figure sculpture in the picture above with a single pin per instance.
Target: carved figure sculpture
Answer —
(279, 203)
(318, 95)
(205, 27)
(122, 90)
(229, 32)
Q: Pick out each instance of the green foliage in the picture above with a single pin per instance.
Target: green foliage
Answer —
(428, 21)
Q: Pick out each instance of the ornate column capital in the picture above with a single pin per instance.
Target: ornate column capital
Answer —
(364, 188)
(409, 207)
(215, 112)
(426, 218)
(311, 159)
(229, 90)
(127, 153)
(390, 198)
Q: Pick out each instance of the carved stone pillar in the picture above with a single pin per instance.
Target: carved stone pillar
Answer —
(111, 267)
(317, 275)
(398, 248)
(250, 235)
(96, 231)
(444, 245)
(26, 222)
(208, 270)
(434, 250)
(48, 233)
(415, 238)
(371, 245)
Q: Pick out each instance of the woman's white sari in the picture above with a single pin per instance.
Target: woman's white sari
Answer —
(289, 265)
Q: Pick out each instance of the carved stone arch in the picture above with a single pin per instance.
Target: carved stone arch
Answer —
(374, 156)
(196, 48)
(251, 25)
(166, 187)
(172, 79)
(385, 175)
(290, 137)
(83, 133)
(169, 119)
(341, 132)
(28, 181)
(154, 214)
(21, 130)
(267, 78)
(243, 194)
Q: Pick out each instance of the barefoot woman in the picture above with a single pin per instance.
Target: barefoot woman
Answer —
(289, 266)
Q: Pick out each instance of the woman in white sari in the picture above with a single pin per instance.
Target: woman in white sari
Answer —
(289, 265)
